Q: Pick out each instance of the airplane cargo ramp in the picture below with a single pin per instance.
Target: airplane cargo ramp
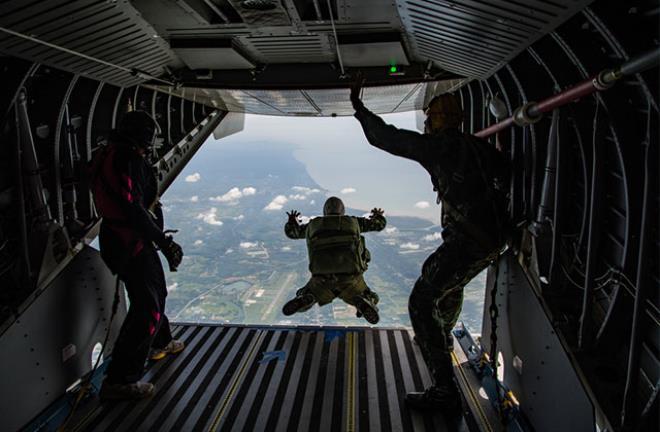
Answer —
(247, 378)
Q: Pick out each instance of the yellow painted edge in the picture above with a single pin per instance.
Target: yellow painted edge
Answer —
(237, 379)
(471, 394)
(350, 413)
(83, 422)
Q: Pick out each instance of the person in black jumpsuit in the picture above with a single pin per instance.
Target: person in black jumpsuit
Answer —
(469, 176)
(128, 239)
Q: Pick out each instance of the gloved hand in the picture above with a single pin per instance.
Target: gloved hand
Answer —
(377, 212)
(172, 251)
(293, 216)
(356, 88)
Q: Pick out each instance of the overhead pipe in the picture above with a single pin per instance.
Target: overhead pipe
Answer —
(532, 112)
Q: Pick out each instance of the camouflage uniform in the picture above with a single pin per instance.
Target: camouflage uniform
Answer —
(468, 175)
(347, 287)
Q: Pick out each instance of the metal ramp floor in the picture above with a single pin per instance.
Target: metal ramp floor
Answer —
(242, 378)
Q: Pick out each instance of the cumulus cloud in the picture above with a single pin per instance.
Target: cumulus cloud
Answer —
(234, 194)
(194, 198)
(422, 204)
(433, 237)
(172, 287)
(198, 242)
(228, 251)
(286, 248)
(348, 190)
(210, 217)
(312, 202)
(277, 203)
(305, 219)
(409, 246)
(391, 230)
(192, 178)
(239, 217)
(248, 245)
(305, 190)
(297, 197)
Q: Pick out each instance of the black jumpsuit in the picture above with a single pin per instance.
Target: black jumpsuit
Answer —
(138, 266)
(468, 175)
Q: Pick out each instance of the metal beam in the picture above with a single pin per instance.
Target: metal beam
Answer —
(170, 165)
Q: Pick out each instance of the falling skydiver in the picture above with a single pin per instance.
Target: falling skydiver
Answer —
(338, 258)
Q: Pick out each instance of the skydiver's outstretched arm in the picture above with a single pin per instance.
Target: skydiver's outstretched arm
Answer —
(399, 142)
(292, 228)
(375, 222)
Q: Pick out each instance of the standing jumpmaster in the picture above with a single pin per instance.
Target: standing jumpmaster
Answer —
(126, 196)
(338, 259)
(470, 177)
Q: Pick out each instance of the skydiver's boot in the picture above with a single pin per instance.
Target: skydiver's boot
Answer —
(300, 303)
(173, 347)
(136, 390)
(366, 309)
(436, 398)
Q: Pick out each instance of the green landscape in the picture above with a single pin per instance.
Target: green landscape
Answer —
(239, 267)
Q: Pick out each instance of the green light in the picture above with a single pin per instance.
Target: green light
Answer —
(393, 69)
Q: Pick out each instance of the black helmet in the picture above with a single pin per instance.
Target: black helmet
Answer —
(333, 206)
(138, 128)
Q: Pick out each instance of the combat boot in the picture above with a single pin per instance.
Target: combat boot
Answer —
(175, 346)
(299, 303)
(367, 310)
(436, 398)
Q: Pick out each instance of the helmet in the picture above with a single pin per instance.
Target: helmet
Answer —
(333, 206)
(138, 128)
(444, 111)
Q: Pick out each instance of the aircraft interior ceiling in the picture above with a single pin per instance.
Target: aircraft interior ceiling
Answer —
(571, 87)
(229, 45)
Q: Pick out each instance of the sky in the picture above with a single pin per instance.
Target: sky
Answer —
(341, 161)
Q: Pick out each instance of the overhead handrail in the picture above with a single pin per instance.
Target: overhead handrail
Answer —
(532, 112)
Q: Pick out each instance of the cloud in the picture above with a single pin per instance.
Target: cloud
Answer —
(312, 202)
(348, 190)
(305, 219)
(228, 251)
(422, 204)
(234, 194)
(409, 246)
(305, 190)
(277, 203)
(286, 248)
(172, 287)
(433, 237)
(210, 217)
(198, 242)
(194, 198)
(297, 197)
(248, 245)
(239, 217)
(192, 178)
(391, 230)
